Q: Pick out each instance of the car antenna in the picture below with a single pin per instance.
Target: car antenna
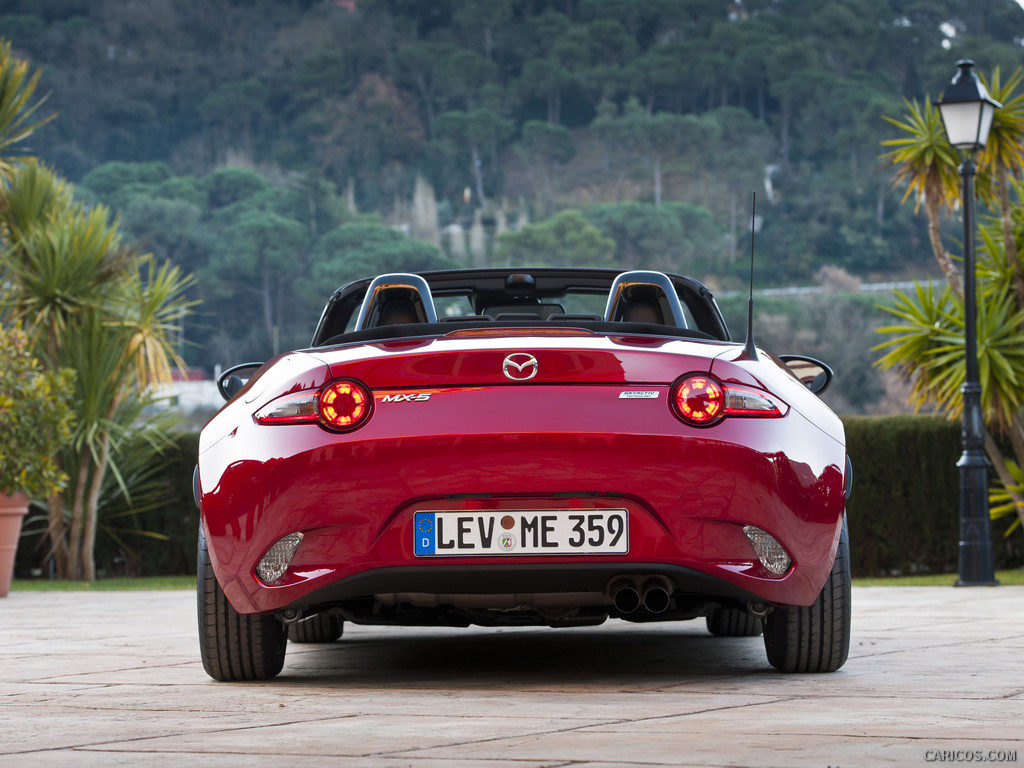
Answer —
(748, 348)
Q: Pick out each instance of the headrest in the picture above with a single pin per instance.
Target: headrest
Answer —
(644, 294)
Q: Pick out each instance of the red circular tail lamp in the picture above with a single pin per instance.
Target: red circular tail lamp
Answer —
(344, 405)
(701, 400)
(341, 406)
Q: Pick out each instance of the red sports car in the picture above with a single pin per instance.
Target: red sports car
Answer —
(499, 447)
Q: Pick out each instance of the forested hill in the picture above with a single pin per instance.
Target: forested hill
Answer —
(654, 119)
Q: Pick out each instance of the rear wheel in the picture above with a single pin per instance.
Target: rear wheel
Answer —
(234, 646)
(733, 622)
(814, 638)
(320, 628)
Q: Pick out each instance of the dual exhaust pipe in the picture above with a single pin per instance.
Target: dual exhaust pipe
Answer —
(653, 593)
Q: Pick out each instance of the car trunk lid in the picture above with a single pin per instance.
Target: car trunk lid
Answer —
(527, 356)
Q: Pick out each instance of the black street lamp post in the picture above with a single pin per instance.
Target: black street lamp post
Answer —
(967, 111)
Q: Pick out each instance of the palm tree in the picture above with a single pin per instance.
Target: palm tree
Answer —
(926, 345)
(100, 309)
(92, 305)
(1004, 158)
(119, 358)
(17, 112)
(57, 264)
(927, 164)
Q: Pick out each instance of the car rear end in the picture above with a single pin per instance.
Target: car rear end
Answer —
(556, 475)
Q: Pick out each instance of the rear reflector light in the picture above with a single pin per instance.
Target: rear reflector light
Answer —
(272, 565)
(342, 406)
(772, 555)
(702, 400)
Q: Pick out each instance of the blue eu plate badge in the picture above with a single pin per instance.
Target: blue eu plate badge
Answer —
(425, 533)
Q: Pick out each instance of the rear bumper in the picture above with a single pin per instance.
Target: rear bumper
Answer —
(504, 579)
(688, 496)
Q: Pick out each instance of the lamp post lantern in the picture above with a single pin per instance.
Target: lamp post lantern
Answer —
(967, 111)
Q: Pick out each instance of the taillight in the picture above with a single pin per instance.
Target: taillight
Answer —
(341, 405)
(344, 405)
(702, 401)
(699, 400)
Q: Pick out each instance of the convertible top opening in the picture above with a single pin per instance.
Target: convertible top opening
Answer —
(647, 302)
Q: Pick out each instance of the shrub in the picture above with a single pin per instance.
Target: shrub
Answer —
(35, 419)
(905, 507)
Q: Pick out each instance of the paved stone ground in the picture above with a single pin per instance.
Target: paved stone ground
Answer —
(114, 679)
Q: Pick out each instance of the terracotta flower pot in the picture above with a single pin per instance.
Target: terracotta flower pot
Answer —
(12, 510)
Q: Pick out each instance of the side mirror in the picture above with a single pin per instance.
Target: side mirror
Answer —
(234, 378)
(813, 374)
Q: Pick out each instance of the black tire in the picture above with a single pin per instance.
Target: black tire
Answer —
(234, 646)
(319, 628)
(733, 622)
(815, 638)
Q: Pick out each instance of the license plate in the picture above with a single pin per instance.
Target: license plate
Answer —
(522, 532)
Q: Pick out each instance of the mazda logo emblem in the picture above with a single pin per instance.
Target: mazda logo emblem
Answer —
(520, 366)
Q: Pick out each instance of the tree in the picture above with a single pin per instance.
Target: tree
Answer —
(663, 76)
(548, 68)
(1004, 159)
(792, 71)
(646, 236)
(233, 112)
(619, 136)
(475, 135)
(161, 225)
(742, 150)
(547, 78)
(566, 239)
(95, 307)
(545, 146)
(355, 137)
(362, 249)
(664, 136)
(229, 185)
(462, 76)
(927, 344)
(677, 237)
(110, 180)
(259, 254)
(17, 110)
(483, 17)
(611, 49)
(90, 305)
(927, 165)
(435, 70)
(759, 44)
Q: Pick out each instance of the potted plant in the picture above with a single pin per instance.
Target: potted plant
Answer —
(35, 423)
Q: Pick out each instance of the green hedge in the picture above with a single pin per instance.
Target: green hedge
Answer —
(904, 511)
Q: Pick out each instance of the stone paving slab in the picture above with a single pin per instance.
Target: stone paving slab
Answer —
(114, 679)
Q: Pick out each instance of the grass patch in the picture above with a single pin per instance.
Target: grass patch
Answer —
(141, 584)
(1014, 578)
